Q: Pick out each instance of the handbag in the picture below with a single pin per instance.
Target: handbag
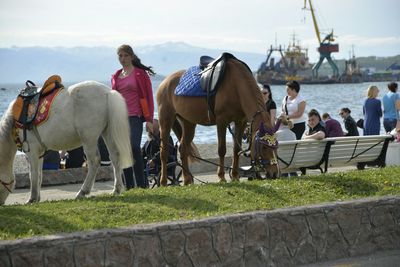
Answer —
(360, 123)
(286, 110)
(145, 108)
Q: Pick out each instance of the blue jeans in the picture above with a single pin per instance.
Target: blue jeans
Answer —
(389, 124)
(136, 125)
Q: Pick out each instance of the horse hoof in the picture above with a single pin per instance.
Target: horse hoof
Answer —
(31, 200)
(116, 192)
(222, 181)
(80, 195)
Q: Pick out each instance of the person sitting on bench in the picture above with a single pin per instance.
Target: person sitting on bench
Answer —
(316, 130)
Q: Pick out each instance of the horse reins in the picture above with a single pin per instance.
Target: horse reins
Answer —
(176, 161)
(274, 129)
(253, 163)
(268, 139)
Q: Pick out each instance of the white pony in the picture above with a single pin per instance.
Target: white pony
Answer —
(78, 116)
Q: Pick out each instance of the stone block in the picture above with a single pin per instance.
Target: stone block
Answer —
(61, 254)
(148, 251)
(27, 256)
(4, 259)
(173, 246)
(222, 240)
(199, 247)
(89, 253)
(119, 251)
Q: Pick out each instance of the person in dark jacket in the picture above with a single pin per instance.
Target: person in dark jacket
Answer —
(315, 129)
(349, 123)
(74, 158)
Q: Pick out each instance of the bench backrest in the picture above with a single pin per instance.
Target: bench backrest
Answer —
(351, 150)
(301, 153)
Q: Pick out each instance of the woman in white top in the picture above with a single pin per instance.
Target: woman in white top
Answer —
(293, 106)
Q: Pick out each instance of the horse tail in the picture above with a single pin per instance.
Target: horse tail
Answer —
(119, 128)
(193, 152)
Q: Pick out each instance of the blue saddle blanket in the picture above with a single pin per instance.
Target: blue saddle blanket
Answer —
(189, 84)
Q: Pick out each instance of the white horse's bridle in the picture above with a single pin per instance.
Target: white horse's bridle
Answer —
(7, 184)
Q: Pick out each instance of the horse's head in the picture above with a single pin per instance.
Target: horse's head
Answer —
(7, 183)
(8, 150)
(264, 147)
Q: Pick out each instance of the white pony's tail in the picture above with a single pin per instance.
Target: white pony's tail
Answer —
(119, 128)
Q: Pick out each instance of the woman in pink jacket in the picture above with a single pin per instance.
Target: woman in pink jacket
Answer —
(133, 83)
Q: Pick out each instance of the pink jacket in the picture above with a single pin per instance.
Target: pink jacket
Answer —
(144, 84)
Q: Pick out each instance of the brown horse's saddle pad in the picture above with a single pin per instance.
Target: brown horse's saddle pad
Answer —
(26, 105)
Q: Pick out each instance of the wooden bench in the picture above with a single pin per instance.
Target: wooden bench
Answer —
(333, 152)
(299, 154)
(358, 150)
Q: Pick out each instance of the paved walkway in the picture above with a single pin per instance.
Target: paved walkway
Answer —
(69, 191)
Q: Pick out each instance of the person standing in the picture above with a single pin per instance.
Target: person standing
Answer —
(391, 106)
(349, 123)
(269, 102)
(372, 112)
(293, 106)
(133, 83)
(332, 126)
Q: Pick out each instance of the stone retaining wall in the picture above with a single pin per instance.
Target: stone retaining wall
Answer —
(283, 237)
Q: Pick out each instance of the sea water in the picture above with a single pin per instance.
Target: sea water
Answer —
(323, 97)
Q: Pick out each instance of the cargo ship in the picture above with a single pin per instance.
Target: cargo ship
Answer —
(287, 64)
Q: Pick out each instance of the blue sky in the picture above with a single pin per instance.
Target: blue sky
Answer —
(371, 26)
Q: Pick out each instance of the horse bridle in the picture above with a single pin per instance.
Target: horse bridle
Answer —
(262, 139)
(7, 184)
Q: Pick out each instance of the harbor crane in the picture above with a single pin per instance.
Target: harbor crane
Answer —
(326, 47)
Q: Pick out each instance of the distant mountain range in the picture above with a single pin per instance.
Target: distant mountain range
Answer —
(18, 64)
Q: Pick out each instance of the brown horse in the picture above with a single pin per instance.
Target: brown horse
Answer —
(237, 100)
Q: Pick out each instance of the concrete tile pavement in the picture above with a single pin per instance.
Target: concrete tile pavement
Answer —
(69, 191)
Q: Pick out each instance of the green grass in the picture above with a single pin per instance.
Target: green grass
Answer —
(198, 201)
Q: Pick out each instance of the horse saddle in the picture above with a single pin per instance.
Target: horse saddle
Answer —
(203, 80)
(213, 73)
(25, 107)
(205, 61)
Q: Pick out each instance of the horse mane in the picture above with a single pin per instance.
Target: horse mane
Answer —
(253, 89)
(6, 123)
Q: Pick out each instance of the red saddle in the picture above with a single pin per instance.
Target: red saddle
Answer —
(32, 105)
